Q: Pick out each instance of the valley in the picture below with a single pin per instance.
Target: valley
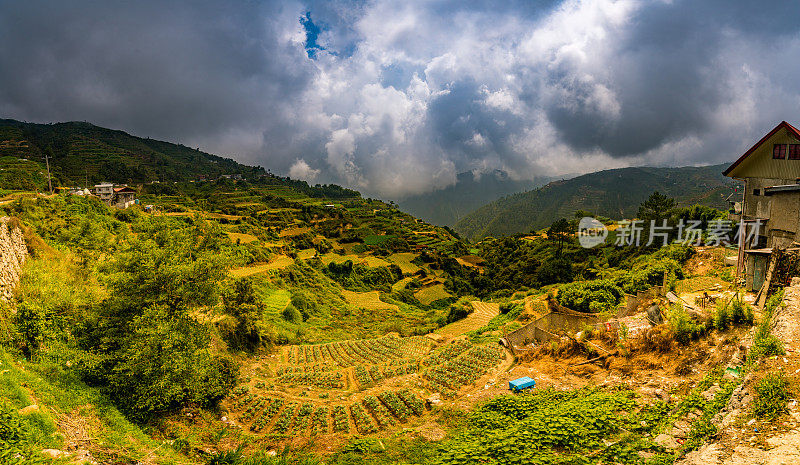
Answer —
(261, 320)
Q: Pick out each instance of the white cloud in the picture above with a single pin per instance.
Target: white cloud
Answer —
(300, 169)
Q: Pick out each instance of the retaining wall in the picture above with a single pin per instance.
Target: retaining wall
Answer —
(13, 253)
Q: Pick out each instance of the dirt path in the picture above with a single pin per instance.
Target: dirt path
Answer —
(482, 313)
(739, 441)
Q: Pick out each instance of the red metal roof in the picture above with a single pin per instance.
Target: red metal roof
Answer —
(783, 124)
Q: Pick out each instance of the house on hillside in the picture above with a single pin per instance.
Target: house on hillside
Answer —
(115, 196)
(104, 191)
(124, 197)
(770, 208)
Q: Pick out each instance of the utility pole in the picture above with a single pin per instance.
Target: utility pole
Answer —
(49, 182)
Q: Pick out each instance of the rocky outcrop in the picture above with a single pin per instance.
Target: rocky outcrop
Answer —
(13, 253)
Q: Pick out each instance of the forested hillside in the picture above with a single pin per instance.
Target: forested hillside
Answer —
(81, 151)
(471, 191)
(611, 193)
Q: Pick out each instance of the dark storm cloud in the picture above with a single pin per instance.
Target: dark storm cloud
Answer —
(398, 97)
(666, 74)
(174, 70)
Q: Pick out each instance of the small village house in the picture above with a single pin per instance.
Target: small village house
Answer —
(115, 196)
(770, 170)
(124, 197)
(104, 192)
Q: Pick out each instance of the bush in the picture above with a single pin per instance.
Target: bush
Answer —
(594, 296)
(10, 424)
(554, 271)
(291, 314)
(684, 328)
(766, 346)
(165, 363)
(764, 343)
(457, 312)
(741, 313)
(772, 393)
(722, 318)
(648, 271)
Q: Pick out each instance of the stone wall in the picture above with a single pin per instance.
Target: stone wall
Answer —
(13, 253)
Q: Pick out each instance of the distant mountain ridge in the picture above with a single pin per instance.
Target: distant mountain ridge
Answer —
(444, 207)
(79, 150)
(614, 193)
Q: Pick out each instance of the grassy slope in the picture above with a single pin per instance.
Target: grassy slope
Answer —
(613, 193)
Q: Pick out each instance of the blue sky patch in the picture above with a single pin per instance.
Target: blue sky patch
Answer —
(312, 33)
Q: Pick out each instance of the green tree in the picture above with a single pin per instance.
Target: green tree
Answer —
(559, 232)
(657, 207)
(166, 363)
(143, 345)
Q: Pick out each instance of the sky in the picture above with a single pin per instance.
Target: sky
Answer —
(397, 98)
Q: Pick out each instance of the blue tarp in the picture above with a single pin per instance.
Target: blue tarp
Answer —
(522, 383)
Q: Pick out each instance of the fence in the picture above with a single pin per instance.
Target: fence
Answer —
(562, 320)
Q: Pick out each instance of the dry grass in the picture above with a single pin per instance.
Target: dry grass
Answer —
(470, 260)
(306, 254)
(367, 300)
(242, 237)
(400, 285)
(369, 260)
(373, 262)
(289, 232)
(403, 260)
(431, 294)
(280, 262)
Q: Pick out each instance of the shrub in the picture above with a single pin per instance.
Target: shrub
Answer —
(593, 296)
(291, 314)
(722, 318)
(10, 424)
(772, 393)
(765, 343)
(765, 347)
(741, 313)
(457, 312)
(648, 271)
(683, 326)
(163, 364)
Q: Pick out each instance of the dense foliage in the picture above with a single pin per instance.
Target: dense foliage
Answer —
(548, 426)
(594, 296)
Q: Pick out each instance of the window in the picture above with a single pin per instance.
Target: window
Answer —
(756, 191)
(794, 151)
(779, 151)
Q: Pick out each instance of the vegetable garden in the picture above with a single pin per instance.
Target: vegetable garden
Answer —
(292, 396)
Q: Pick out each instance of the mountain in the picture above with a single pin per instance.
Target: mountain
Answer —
(78, 151)
(614, 193)
(446, 206)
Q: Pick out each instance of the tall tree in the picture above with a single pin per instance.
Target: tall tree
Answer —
(559, 232)
(657, 207)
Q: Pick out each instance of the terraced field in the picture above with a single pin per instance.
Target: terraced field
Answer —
(279, 263)
(403, 260)
(367, 300)
(359, 386)
(480, 316)
(242, 238)
(432, 293)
